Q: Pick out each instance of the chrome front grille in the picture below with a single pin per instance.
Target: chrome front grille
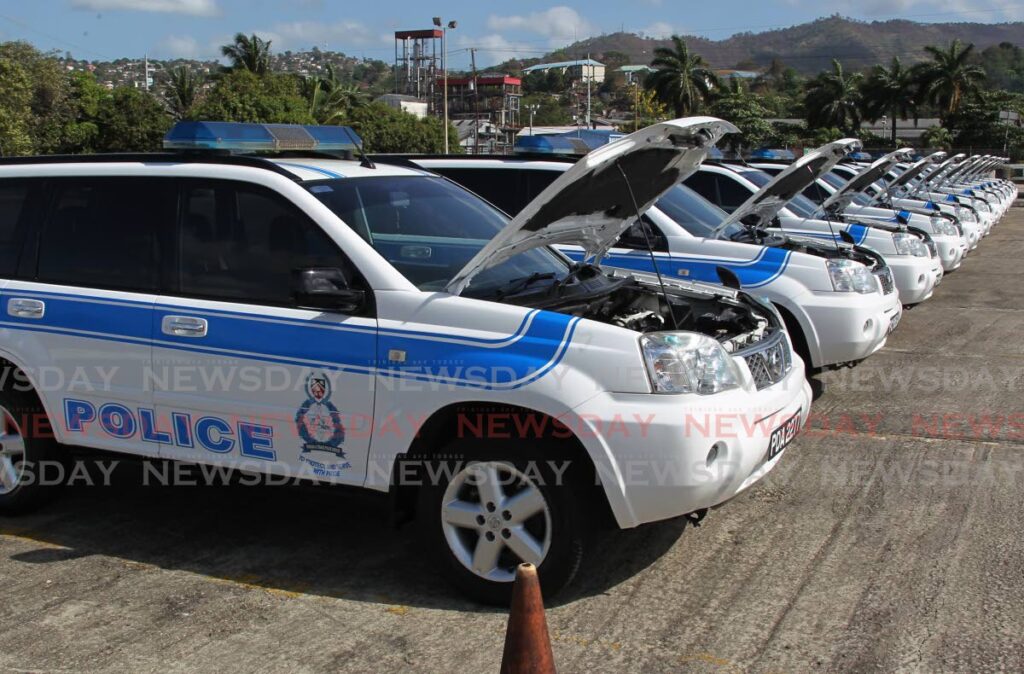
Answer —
(885, 280)
(768, 361)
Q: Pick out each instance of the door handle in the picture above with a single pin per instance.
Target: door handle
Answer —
(184, 326)
(25, 308)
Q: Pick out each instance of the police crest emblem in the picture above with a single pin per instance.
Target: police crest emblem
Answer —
(317, 420)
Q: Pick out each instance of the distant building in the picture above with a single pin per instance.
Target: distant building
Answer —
(635, 73)
(738, 74)
(582, 69)
(410, 104)
(492, 100)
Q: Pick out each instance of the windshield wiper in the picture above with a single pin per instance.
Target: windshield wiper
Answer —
(574, 271)
(517, 285)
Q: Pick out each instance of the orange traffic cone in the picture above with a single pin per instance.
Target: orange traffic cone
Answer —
(527, 644)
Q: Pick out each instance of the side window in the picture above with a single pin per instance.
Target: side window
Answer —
(706, 185)
(637, 236)
(499, 186)
(732, 193)
(103, 232)
(241, 242)
(815, 193)
(14, 216)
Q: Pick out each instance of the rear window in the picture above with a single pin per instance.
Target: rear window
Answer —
(13, 222)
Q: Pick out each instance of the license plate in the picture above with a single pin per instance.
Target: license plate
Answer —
(783, 435)
(893, 322)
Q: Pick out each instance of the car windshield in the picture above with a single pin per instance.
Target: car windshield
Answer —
(429, 228)
(694, 213)
(800, 205)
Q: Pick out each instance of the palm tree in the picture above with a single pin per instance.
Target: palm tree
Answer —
(330, 101)
(681, 79)
(248, 52)
(833, 99)
(937, 137)
(182, 90)
(949, 77)
(889, 90)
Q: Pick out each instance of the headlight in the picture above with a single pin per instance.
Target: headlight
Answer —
(688, 362)
(943, 227)
(982, 206)
(849, 276)
(965, 214)
(908, 244)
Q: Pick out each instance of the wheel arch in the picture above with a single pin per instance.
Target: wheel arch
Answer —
(467, 417)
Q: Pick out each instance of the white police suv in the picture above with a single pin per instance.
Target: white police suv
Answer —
(743, 191)
(379, 326)
(839, 302)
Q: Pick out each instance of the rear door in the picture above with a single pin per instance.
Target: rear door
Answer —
(242, 376)
(78, 313)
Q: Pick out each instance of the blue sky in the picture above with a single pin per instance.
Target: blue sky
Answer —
(107, 29)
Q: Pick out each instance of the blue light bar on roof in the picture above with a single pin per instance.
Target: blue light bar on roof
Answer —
(243, 137)
(770, 153)
(570, 143)
(860, 156)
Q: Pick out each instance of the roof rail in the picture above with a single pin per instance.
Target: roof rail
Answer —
(188, 157)
(404, 159)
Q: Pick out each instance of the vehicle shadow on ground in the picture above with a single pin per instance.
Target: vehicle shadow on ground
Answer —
(303, 540)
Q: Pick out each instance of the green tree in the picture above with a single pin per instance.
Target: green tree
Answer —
(1004, 67)
(937, 137)
(737, 105)
(81, 132)
(385, 129)
(330, 100)
(889, 91)
(131, 120)
(48, 106)
(248, 52)
(833, 99)
(182, 90)
(683, 81)
(242, 96)
(15, 109)
(950, 77)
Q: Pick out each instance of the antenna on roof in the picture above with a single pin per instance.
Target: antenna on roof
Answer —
(364, 160)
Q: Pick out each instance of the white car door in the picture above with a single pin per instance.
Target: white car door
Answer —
(241, 375)
(78, 315)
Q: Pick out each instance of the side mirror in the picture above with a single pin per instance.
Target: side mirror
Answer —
(326, 288)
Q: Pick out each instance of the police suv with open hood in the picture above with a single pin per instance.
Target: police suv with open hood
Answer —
(777, 203)
(428, 347)
(838, 301)
(839, 202)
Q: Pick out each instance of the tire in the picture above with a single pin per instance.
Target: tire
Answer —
(557, 531)
(26, 445)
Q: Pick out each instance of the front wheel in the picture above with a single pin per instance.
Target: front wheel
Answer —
(485, 513)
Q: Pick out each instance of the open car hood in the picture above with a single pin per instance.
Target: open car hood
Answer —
(845, 194)
(771, 198)
(915, 169)
(598, 199)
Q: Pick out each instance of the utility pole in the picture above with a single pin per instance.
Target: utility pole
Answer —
(589, 79)
(636, 105)
(476, 103)
(444, 66)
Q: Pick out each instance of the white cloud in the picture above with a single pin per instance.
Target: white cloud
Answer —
(193, 7)
(659, 30)
(340, 35)
(560, 25)
(929, 10)
(493, 48)
(179, 46)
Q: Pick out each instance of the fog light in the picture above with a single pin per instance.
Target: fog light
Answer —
(712, 454)
(920, 279)
(868, 324)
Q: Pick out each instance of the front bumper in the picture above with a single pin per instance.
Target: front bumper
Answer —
(916, 277)
(660, 457)
(848, 326)
(951, 251)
